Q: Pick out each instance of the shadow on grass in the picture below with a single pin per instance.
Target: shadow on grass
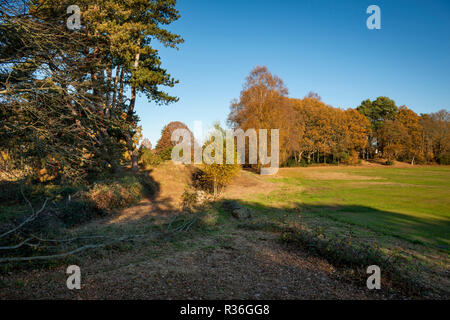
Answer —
(425, 231)
(356, 251)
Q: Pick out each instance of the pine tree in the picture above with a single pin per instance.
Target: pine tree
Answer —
(83, 75)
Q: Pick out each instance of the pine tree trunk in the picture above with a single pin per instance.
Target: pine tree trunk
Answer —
(116, 81)
(133, 88)
(132, 149)
(121, 85)
(134, 160)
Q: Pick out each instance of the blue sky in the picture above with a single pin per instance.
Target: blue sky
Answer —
(313, 45)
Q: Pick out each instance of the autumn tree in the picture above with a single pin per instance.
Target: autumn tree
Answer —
(310, 130)
(414, 148)
(146, 144)
(401, 138)
(359, 129)
(326, 133)
(217, 174)
(390, 137)
(436, 136)
(263, 104)
(165, 143)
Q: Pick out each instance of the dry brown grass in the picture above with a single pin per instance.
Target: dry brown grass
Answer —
(322, 173)
(248, 183)
(172, 181)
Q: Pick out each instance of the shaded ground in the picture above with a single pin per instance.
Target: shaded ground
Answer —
(250, 265)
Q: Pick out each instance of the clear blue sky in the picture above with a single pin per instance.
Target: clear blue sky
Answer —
(313, 45)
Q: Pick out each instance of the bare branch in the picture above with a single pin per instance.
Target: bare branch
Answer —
(77, 250)
(17, 245)
(32, 217)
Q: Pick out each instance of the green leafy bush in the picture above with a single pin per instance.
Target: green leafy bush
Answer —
(215, 174)
(166, 154)
(149, 159)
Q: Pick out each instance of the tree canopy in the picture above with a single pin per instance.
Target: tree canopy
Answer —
(312, 131)
(64, 101)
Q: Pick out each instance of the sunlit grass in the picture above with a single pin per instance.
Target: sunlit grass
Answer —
(408, 203)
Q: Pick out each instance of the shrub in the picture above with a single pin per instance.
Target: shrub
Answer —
(166, 154)
(189, 199)
(218, 175)
(149, 159)
(114, 194)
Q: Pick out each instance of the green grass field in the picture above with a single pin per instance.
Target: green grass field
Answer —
(404, 212)
(407, 203)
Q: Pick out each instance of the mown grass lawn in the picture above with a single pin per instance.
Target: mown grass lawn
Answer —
(408, 203)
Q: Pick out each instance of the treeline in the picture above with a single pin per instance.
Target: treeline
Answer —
(67, 98)
(414, 138)
(314, 132)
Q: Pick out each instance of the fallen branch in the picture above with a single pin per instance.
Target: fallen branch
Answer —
(184, 226)
(32, 217)
(17, 245)
(170, 223)
(190, 225)
(52, 256)
(64, 254)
